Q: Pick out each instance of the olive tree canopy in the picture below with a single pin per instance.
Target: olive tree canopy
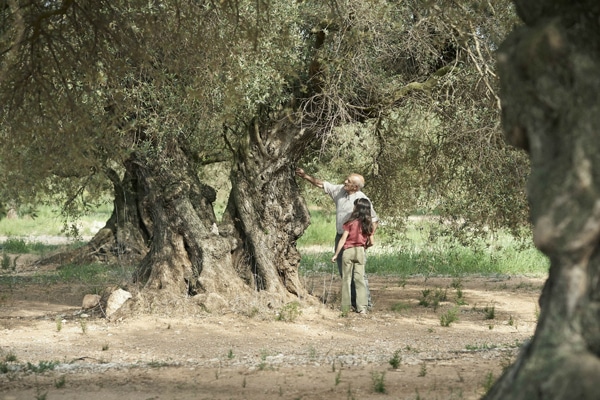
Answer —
(138, 96)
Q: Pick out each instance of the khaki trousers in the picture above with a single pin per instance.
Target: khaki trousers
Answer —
(353, 268)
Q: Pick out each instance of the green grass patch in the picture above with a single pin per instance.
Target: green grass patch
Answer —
(321, 230)
(46, 220)
(414, 251)
(20, 246)
(431, 262)
(98, 275)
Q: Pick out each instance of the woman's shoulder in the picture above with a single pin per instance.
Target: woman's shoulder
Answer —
(351, 222)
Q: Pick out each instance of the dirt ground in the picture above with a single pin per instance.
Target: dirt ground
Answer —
(400, 350)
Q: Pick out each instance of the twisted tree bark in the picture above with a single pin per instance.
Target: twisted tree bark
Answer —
(551, 108)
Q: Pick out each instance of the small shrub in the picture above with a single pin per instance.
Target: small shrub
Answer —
(423, 370)
(289, 312)
(40, 396)
(263, 360)
(253, 312)
(441, 294)
(490, 312)
(399, 307)
(5, 261)
(60, 383)
(10, 357)
(433, 298)
(424, 301)
(378, 381)
(395, 360)
(3, 367)
(456, 284)
(449, 317)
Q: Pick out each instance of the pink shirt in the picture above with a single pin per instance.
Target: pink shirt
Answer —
(355, 238)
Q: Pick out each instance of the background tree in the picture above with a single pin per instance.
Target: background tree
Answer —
(550, 105)
(435, 144)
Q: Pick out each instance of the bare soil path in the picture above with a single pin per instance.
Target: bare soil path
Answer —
(318, 355)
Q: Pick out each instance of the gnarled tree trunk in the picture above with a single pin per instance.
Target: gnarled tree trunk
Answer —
(266, 207)
(188, 253)
(251, 253)
(125, 236)
(551, 107)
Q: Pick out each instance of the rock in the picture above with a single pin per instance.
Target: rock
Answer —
(212, 302)
(90, 301)
(116, 300)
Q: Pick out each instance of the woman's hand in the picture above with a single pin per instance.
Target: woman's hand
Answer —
(370, 241)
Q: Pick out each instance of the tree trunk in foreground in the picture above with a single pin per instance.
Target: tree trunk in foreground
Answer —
(551, 107)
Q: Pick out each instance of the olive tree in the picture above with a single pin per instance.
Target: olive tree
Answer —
(138, 96)
(550, 107)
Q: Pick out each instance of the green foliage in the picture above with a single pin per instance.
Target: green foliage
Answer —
(436, 143)
(490, 312)
(433, 298)
(399, 307)
(488, 382)
(289, 312)
(431, 262)
(61, 382)
(460, 301)
(5, 264)
(395, 360)
(449, 317)
(41, 367)
(378, 379)
(15, 246)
